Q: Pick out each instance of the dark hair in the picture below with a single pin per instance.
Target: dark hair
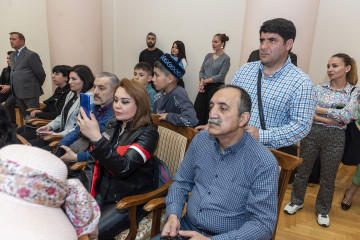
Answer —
(181, 47)
(351, 76)
(85, 74)
(114, 80)
(7, 133)
(244, 101)
(151, 34)
(223, 38)
(9, 52)
(63, 69)
(145, 67)
(285, 28)
(142, 100)
(20, 35)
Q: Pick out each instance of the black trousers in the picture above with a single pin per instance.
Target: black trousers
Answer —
(201, 104)
(9, 108)
(113, 221)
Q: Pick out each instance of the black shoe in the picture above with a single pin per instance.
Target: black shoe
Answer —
(344, 205)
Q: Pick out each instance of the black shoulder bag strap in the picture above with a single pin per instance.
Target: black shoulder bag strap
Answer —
(261, 111)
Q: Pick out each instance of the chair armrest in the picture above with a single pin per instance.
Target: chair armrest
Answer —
(84, 237)
(157, 203)
(54, 143)
(78, 166)
(136, 200)
(32, 109)
(40, 122)
(51, 138)
(22, 140)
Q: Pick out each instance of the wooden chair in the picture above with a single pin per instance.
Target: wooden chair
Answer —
(287, 164)
(171, 147)
(22, 140)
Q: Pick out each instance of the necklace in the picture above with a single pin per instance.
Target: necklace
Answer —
(214, 57)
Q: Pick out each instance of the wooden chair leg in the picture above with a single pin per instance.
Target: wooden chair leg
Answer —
(133, 224)
(155, 225)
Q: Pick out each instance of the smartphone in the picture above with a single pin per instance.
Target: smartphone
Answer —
(85, 103)
(339, 106)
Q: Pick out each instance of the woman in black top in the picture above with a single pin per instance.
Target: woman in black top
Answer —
(121, 162)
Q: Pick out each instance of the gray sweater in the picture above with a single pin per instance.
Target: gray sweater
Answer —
(216, 70)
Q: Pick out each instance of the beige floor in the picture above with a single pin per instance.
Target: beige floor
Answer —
(343, 224)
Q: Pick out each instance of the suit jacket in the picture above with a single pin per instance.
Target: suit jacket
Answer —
(27, 74)
(58, 125)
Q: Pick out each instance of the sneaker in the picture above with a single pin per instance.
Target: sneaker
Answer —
(291, 208)
(323, 220)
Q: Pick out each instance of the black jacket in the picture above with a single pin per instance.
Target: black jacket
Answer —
(54, 104)
(121, 168)
(5, 76)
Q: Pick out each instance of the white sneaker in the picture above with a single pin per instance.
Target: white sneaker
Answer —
(323, 220)
(291, 208)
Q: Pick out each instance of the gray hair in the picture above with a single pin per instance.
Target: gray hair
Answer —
(114, 80)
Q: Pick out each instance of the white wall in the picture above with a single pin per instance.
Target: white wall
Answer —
(259, 11)
(337, 30)
(193, 22)
(29, 18)
(75, 34)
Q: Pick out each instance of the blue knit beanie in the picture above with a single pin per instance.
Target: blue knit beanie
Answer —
(173, 65)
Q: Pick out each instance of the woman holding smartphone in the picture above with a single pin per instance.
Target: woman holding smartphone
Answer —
(81, 80)
(337, 107)
(121, 162)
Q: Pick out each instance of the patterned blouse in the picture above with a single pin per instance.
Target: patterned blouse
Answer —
(342, 104)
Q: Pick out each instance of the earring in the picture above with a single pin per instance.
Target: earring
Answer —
(222, 46)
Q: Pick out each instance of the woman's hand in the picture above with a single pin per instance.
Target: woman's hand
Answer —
(89, 127)
(46, 128)
(44, 131)
(321, 110)
(32, 114)
(326, 120)
(201, 85)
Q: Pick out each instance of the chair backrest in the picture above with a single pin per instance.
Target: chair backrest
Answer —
(287, 164)
(173, 143)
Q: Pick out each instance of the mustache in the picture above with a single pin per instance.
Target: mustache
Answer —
(96, 96)
(214, 120)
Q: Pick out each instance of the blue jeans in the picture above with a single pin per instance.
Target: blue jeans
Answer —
(185, 224)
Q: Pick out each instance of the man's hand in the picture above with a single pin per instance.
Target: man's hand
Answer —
(5, 88)
(162, 116)
(193, 235)
(32, 114)
(202, 127)
(69, 156)
(254, 131)
(171, 227)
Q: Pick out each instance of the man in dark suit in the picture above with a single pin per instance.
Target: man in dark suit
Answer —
(27, 74)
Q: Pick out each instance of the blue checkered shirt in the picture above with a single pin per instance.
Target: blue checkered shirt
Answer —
(233, 194)
(289, 102)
